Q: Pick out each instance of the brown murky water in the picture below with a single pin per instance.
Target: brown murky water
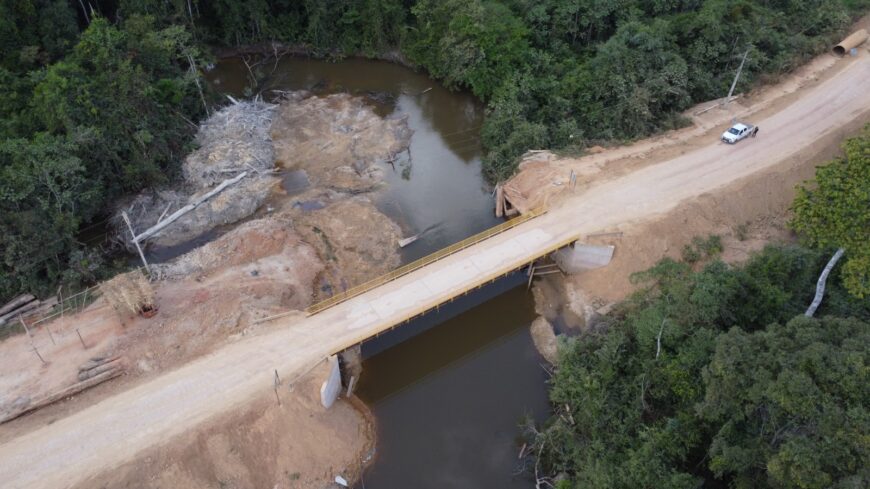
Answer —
(439, 190)
(448, 401)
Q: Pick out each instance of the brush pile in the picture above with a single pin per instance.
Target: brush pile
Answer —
(234, 140)
(129, 293)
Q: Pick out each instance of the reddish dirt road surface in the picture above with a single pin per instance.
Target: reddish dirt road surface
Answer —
(103, 436)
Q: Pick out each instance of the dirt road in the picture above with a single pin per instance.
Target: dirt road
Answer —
(106, 434)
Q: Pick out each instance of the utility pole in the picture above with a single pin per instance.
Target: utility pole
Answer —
(734, 83)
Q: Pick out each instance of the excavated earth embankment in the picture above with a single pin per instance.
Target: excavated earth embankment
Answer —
(275, 252)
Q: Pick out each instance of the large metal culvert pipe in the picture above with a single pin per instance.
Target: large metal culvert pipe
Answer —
(853, 41)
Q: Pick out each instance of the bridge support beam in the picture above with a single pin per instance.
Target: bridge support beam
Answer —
(331, 387)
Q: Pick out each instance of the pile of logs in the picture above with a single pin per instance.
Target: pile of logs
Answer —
(100, 368)
(93, 372)
(25, 306)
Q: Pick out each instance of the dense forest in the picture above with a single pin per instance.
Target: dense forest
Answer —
(99, 99)
(714, 378)
(711, 375)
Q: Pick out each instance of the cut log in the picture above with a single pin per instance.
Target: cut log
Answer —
(43, 310)
(61, 394)
(16, 303)
(96, 362)
(406, 241)
(189, 207)
(88, 374)
(20, 311)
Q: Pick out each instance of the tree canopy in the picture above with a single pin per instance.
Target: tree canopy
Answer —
(834, 211)
(704, 379)
(554, 73)
(97, 99)
(86, 118)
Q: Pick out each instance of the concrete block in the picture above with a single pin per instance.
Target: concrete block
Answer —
(581, 257)
(332, 385)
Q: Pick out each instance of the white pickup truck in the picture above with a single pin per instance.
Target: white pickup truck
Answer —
(739, 131)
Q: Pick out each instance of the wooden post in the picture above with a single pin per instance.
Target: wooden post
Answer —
(277, 383)
(60, 299)
(548, 272)
(350, 385)
(26, 329)
(499, 201)
(531, 276)
(135, 241)
(82, 340)
(734, 83)
(38, 355)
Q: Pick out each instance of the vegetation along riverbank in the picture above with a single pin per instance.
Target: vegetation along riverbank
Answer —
(558, 74)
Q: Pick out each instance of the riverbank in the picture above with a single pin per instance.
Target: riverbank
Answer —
(746, 214)
(299, 337)
(286, 440)
(305, 222)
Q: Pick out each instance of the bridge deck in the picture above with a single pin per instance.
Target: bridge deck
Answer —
(422, 262)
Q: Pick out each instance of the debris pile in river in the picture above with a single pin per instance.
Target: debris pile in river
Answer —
(233, 140)
(337, 140)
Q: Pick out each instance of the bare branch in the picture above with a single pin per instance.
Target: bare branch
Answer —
(820, 285)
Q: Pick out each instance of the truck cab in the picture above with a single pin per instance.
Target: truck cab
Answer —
(737, 132)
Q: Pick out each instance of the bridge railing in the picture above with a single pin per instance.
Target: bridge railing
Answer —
(422, 262)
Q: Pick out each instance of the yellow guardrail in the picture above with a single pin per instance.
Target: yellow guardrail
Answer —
(480, 282)
(422, 262)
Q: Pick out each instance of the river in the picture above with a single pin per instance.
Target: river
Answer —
(442, 191)
(448, 402)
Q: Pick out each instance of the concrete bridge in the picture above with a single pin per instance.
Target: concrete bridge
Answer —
(425, 284)
(113, 431)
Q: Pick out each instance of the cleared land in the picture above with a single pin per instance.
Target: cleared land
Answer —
(115, 430)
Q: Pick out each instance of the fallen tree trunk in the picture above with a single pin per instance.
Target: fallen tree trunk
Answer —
(16, 303)
(89, 374)
(406, 241)
(62, 394)
(189, 207)
(820, 285)
(20, 311)
(45, 307)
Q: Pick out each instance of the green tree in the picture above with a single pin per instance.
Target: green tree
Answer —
(789, 405)
(45, 193)
(477, 44)
(631, 409)
(35, 32)
(834, 211)
(71, 146)
(111, 74)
